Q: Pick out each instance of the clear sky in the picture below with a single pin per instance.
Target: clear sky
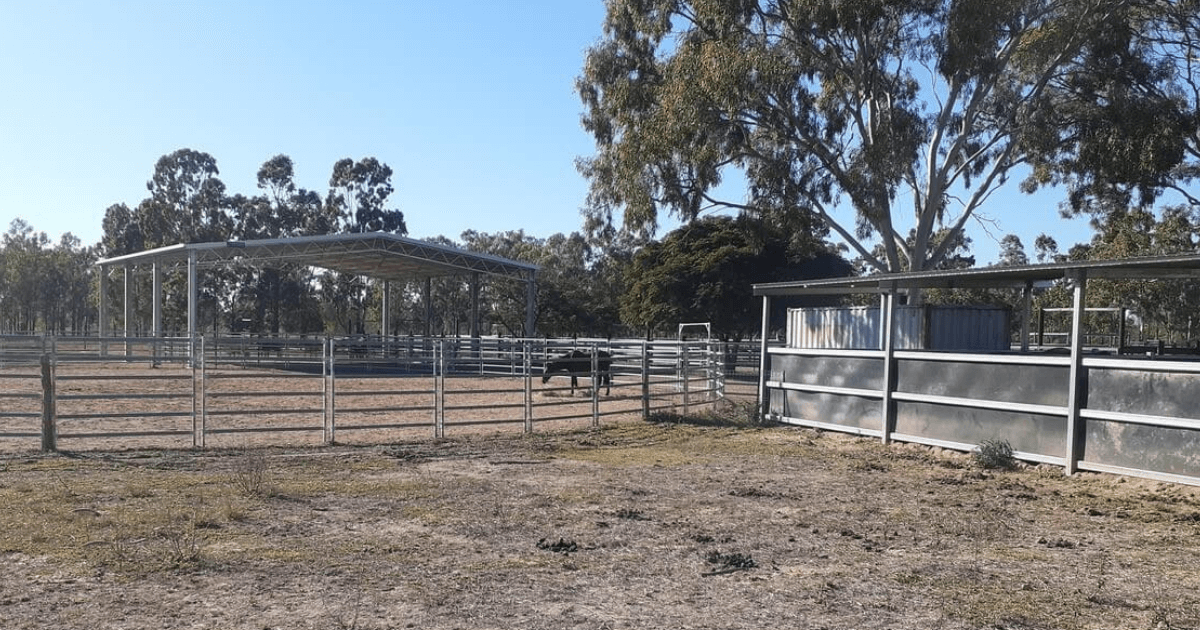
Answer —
(471, 104)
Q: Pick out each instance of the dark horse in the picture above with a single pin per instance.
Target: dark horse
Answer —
(578, 363)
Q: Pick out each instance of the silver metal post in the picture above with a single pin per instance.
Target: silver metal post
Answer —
(595, 386)
(888, 321)
(528, 388)
(1075, 389)
(1026, 307)
(764, 403)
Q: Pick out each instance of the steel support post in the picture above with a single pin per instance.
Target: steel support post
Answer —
(530, 304)
(49, 414)
(331, 386)
(127, 307)
(887, 321)
(156, 308)
(1026, 313)
(646, 380)
(385, 315)
(528, 362)
(103, 314)
(595, 386)
(764, 402)
(685, 375)
(1077, 387)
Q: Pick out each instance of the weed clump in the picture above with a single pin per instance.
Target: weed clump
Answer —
(995, 455)
(739, 415)
(249, 475)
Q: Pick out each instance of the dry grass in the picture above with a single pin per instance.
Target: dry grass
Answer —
(638, 525)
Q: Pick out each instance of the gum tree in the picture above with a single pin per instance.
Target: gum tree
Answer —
(911, 112)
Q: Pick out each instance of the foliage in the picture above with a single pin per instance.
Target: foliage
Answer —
(1168, 303)
(704, 272)
(358, 193)
(1125, 128)
(924, 107)
(44, 287)
(576, 287)
(1012, 252)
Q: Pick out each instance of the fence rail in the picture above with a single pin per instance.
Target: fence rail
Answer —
(118, 392)
(1133, 416)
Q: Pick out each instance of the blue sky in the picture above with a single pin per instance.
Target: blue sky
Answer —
(471, 104)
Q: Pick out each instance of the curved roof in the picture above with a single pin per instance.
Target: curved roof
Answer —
(375, 254)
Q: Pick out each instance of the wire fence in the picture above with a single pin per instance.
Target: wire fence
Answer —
(85, 393)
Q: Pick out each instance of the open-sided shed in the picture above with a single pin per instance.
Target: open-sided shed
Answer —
(1083, 411)
(379, 255)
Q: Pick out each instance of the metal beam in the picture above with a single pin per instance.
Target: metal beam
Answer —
(385, 315)
(474, 324)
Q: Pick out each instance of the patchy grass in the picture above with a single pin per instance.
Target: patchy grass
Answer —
(668, 524)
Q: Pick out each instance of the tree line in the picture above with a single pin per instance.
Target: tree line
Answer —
(623, 286)
(585, 287)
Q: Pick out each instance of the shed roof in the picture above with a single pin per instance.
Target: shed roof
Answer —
(375, 254)
(1153, 267)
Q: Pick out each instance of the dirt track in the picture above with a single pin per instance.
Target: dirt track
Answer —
(632, 526)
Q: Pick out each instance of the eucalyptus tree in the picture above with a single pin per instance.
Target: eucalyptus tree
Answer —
(1012, 252)
(360, 190)
(1126, 128)
(358, 194)
(502, 302)
(911, 112)
(187, 202)
(1169, 304)
(270, 296)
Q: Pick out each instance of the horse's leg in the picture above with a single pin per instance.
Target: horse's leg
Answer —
(574, 383)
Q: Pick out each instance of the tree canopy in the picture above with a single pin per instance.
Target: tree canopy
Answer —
(912, 112)
(189, 203)
(704, 272)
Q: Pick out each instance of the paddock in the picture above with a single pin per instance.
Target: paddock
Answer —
(112, 393)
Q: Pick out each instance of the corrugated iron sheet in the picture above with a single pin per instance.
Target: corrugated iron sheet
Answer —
(978, 328)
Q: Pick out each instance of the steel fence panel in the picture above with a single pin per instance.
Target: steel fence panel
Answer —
(126, 388)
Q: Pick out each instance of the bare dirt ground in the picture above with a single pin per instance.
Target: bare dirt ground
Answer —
(635, 525)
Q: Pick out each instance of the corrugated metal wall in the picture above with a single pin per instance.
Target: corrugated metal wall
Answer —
(978, 328)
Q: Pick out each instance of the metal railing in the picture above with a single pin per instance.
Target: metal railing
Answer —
(118, 392)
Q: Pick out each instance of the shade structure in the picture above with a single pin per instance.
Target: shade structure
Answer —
(379, 255)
